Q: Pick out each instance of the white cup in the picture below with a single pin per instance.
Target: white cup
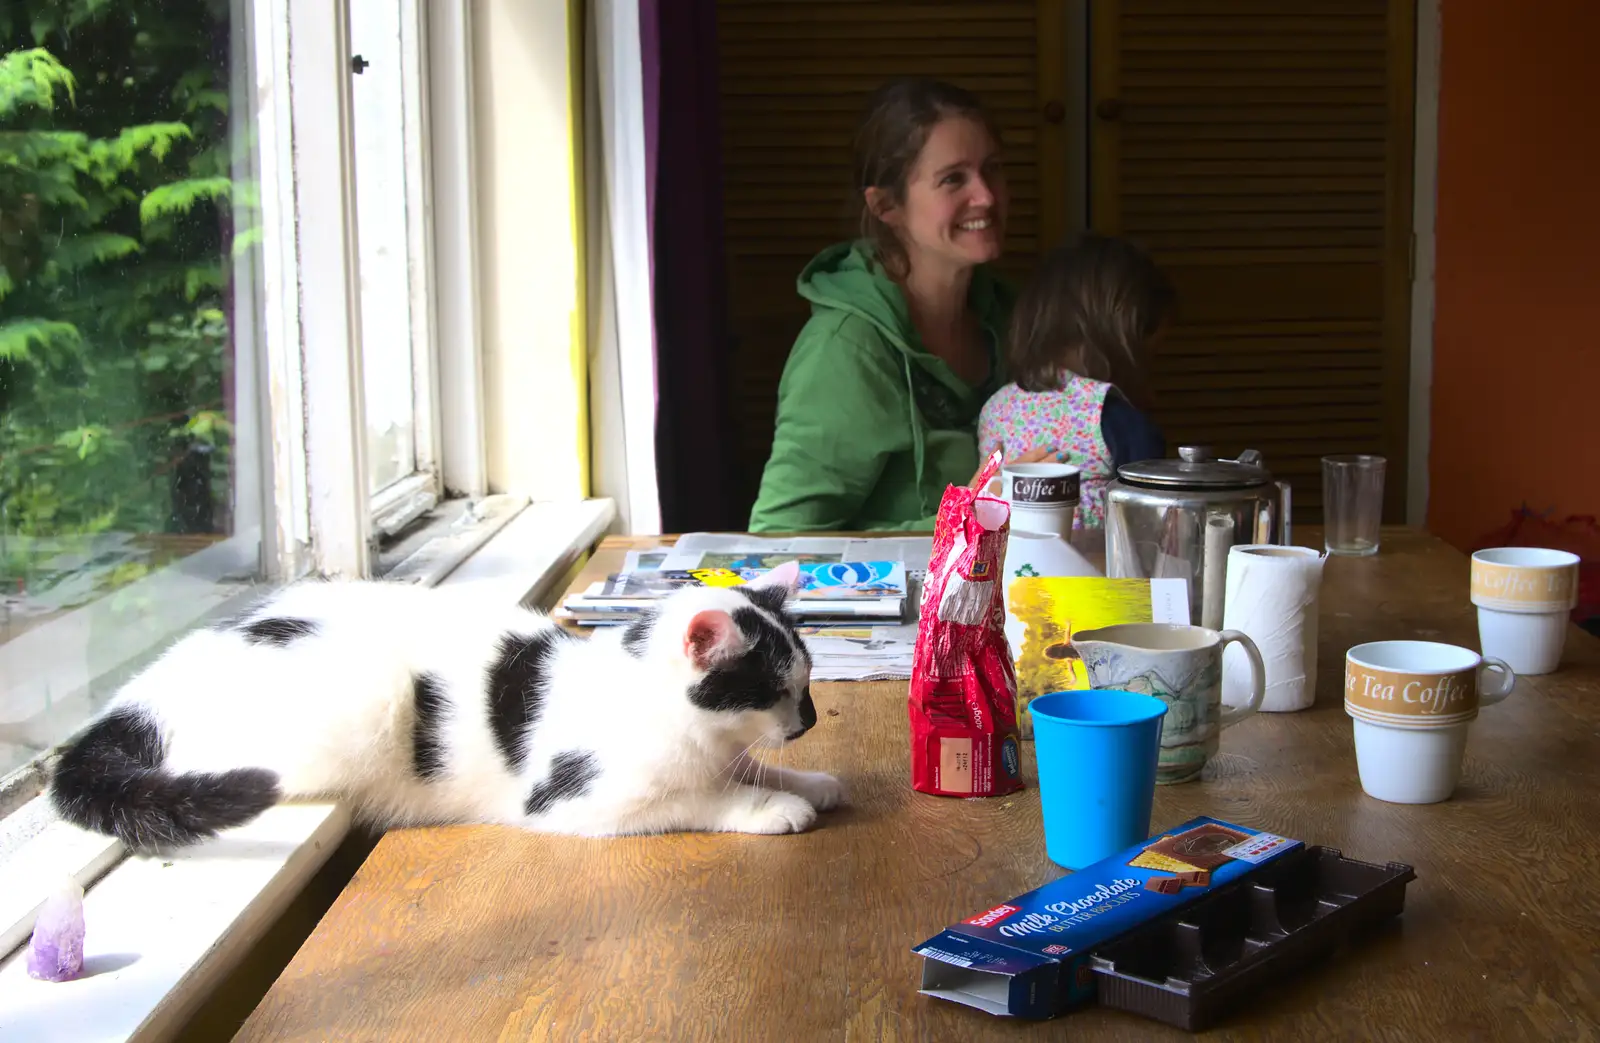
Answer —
(1409, 765)
(1529, 642)
(1411, 703)
(1524, 596)
(1043, 497)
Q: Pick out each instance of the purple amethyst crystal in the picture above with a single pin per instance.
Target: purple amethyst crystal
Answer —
(56, 951)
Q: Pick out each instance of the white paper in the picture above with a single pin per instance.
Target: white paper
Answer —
(1272, 597)
(848, 653)
(1169, 601)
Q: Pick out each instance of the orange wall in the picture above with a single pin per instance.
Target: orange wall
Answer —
(1516, 341)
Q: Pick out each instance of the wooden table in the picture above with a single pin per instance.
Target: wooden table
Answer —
(489, 933)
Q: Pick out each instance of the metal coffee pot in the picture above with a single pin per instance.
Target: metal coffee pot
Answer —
(1178, 518)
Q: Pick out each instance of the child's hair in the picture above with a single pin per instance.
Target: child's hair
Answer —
(900, 115)
(1089, 309)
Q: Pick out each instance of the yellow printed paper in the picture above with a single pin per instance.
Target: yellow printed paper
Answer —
(718, 577)
(1052, 609)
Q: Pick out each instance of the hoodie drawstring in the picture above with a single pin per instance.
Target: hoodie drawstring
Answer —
(918, 446)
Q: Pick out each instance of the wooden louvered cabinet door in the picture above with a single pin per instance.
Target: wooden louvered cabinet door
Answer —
(795, 76)
(1262, 150)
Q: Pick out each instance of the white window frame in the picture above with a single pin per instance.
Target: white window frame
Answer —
(319, 169)
(321, 416)
(457, 321)
(402, 502)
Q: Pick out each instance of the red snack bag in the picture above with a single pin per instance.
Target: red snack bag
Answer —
(963, 701)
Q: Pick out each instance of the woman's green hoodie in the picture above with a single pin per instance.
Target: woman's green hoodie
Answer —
(871, 427)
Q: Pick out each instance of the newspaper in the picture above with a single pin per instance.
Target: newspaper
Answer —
(860, 653)
(730, 550)
(839, 652)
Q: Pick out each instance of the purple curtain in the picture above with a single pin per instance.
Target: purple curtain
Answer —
(650, 75)
(694, 430)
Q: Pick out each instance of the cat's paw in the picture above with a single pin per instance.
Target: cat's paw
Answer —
(774, 812)
(821, 790)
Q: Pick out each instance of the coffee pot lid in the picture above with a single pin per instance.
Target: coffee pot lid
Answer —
(1196, 468)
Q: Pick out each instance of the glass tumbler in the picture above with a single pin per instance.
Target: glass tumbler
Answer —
(1352, 503)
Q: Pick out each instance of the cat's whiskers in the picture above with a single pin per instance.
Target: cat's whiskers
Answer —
(739, 760)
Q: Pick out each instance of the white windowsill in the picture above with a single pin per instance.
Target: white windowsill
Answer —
(161, 931)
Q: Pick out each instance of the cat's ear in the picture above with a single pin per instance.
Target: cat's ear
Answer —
(711, 636)
(785, 577)
(773, 588)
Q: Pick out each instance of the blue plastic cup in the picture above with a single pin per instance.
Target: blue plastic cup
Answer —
(1097, 753)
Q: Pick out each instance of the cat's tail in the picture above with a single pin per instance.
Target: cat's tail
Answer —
(112, 779)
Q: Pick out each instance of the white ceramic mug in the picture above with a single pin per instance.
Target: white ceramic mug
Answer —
(1411, 704)
(1409, 765)
(1524, 596)
(1530, 641)
(1043, 497)
(1421, 684)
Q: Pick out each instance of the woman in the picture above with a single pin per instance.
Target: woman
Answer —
(880, 396)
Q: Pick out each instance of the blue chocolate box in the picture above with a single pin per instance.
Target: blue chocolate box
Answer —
(1029, 957)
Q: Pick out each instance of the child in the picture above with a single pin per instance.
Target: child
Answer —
(1080, 337)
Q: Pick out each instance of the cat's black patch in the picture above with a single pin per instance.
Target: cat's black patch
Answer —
(111, 780)
(773, 603)
(427, 727)
(757, 680)
(571, 775)
(636, 638)
(770, 598)
(516, 684)
(277, 630)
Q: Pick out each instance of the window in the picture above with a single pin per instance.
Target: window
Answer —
(178, 300)
(398, 371)
(239, 322)
(240, 326)
(133, 489)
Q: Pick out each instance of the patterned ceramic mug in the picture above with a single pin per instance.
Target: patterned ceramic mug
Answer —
(1181, 666)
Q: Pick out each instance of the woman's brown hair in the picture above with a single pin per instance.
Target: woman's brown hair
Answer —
(900, 116)
(1089, 310)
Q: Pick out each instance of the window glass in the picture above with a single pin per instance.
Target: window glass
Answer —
(131, 462)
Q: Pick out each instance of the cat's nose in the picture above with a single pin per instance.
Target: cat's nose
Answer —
(808, 711)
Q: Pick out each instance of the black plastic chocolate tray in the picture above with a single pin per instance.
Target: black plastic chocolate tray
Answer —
(1189, 967)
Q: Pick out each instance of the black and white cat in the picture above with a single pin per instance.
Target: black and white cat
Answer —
(419, 707)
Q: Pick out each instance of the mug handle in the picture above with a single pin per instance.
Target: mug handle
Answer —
(1508, 681)
(1232, 715)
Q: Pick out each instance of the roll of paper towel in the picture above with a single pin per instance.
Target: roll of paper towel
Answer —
(1272, 597)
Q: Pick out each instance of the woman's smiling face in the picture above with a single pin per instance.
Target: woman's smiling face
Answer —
(954, 213)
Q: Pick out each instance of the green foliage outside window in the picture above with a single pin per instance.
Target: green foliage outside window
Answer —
(117, 239)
